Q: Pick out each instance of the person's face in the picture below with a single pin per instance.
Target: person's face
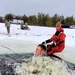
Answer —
(39, 51)
(57, 28)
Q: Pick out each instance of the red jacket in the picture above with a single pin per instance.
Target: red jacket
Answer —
(60, 42)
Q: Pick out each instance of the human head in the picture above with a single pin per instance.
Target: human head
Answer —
(58, 26)
(40, 50)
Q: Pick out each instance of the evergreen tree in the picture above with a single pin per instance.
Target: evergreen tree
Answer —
(25, 18)
(32, 20)
(8, 17)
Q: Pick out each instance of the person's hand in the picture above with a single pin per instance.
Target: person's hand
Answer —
(53, 44)
(44, 42)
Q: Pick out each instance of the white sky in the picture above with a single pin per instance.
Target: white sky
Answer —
(33, 7)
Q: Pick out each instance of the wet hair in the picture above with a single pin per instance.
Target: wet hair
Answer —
(42, 46)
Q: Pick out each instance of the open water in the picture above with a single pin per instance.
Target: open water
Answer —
(7, 62)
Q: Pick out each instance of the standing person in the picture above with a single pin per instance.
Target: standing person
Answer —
(26, 26)
(58, 40)
(7, 25)
(40, 50)
(22, 23)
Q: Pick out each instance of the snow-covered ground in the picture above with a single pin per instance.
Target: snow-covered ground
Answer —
(36, 34)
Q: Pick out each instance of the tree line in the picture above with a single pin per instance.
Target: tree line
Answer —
(41, 19)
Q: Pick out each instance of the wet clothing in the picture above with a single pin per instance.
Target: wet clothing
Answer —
(58, 44)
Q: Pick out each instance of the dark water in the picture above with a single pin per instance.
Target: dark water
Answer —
(7, 63)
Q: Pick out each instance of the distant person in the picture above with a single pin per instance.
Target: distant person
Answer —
(40, 50)
(57, 41)
(7, 25)
(22, 25)
(26, 26)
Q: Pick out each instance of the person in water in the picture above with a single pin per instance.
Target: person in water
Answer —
(40, 50)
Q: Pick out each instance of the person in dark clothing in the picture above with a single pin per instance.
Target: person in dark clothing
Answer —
(57, 41)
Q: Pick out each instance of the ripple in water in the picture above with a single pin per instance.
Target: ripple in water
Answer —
(25, 64)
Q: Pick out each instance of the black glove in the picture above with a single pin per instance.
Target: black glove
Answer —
(53, 44)
(47, 41)
(43, 42)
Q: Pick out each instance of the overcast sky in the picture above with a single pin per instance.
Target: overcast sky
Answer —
(33, 7)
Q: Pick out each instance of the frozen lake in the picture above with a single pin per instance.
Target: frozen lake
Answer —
(20, 42)
(11, 46)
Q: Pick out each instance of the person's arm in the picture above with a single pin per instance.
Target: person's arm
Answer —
(50, 52)
(52, 38)
(47, 41)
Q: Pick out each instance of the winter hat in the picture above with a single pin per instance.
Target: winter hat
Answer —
(58, 24)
